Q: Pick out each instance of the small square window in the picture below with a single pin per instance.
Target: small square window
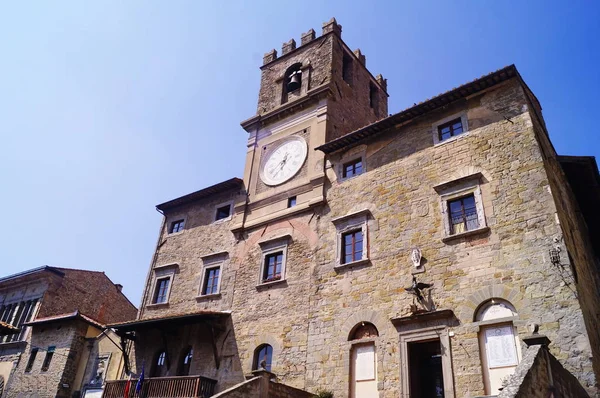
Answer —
(352, 168)
(176, 226)
(291, 201)
(273, 267)
(352, 246)
(450, 129)
(463, 214)
(212, 277)
(223, 212)
(48, 358)
(161, 290)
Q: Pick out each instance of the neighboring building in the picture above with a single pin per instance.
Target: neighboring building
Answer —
(375, 255)
(58, 314)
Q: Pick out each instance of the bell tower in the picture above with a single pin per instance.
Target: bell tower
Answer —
(311, 94)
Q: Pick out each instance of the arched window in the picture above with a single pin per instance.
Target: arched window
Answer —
(292, 81)
(159, 368)
(263, 357)
(498, 342)
(363, 366)
(362, 331)
(185, 362)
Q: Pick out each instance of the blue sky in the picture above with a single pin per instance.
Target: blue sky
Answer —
(112, 107)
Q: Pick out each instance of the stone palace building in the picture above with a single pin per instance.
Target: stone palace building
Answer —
(377, 255)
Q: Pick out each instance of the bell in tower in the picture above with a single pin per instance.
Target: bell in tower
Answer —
(294, 81)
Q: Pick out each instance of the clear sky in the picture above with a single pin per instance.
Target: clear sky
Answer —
(111, 107)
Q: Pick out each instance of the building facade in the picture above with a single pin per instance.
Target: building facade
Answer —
(56, 318)
(373, 255)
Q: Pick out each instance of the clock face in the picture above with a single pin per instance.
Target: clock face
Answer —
(284, 161)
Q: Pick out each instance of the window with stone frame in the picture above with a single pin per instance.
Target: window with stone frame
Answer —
(273, 267)
(223, 211)
(263, 357)
(17, 314)
(462, 208)
(352, 246)
(450, 128)
(161, 290)
(352, 168)
(176, 226)
(211, 280)
(274, 258)
(463, 214)
(352, 238)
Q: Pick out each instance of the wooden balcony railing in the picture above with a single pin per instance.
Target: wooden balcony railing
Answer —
(163, 387)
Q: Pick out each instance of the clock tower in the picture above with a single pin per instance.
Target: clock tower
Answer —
(311, 94)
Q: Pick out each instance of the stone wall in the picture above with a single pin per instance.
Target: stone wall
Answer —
(57, 381)
(575, 239)
(540, 374)
(307, 317)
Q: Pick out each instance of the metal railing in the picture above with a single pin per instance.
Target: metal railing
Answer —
(163, 387)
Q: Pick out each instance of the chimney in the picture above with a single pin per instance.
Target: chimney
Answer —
(288, 47)
(382, 82)
(307, 37)
(360, 56)
(119, 287)
(270, 56)
(332, 26)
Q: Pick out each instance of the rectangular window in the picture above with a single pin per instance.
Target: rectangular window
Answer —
(223, 212)
(31, 361)
(176, 226)
(272, 267)
(450, 129)
(463, 215)
(352, 246)
(372, 95)
(347, 68)
(48, 358)
(161, 290)
(292, 201)
(211, 281)
(352, 168)
(17, 314)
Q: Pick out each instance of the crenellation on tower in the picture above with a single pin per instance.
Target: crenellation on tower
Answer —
(361, 57)
(270, 56)
(288, 46)
(307, 37)
(332, 26)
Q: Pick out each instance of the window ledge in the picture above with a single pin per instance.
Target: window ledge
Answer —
(452, 139)
(222, 220)
(267, 285)
(208, 296)
(14, 344)
(466, 234)
(175, 233)
(341, 267)
(158, 305)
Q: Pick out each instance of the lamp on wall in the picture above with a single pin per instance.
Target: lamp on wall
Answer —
(555, 255)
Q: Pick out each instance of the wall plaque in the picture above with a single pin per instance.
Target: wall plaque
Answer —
(500, 347)
(365, 363)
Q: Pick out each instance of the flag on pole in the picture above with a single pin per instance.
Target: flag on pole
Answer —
(127, 387)
(140, 383)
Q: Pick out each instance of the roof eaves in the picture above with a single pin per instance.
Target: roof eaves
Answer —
(422, 108)
(203, 193)
(32, 271)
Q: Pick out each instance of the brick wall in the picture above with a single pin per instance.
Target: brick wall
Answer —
(90, 292)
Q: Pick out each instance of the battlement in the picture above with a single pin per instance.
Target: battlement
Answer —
(289, 46)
